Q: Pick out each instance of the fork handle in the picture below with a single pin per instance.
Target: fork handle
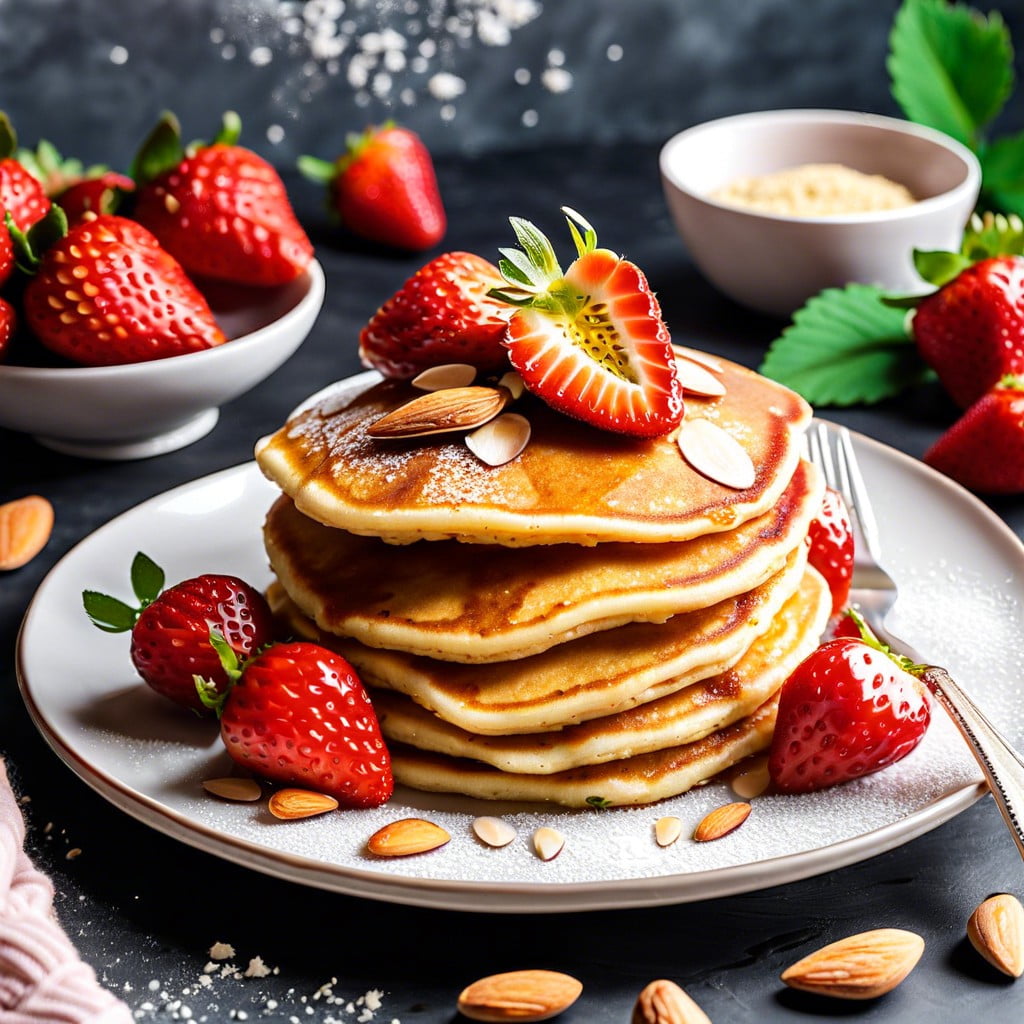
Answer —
(1002, 765)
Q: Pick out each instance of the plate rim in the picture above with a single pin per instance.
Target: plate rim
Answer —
(490, 896)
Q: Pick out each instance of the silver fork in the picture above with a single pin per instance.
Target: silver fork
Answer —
(873, 593)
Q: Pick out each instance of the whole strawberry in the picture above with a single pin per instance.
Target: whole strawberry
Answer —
(171, 629)
(99, 194)
(442, 314)
(221, 210)
(6, 254)
(21, 194)
(984, 449)
(971, 331)
(8, 325)
(298, 714)
(590, 342)
(850, 708)
(384, 188)
(831, 547)
(107, 293)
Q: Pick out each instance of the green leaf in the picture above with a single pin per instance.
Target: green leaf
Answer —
(537, 247)
(161, 150)
(992, 234)
(108, 613)
(951, 67)
(938, 267)
(147, 578)
(314, 169)
(845, 347)
(602, 803)
(1002, 173)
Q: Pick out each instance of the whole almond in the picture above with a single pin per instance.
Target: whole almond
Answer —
(25, 527)
(289, 804)
(716, 454)
(519, 996)
(664, 1002)
(996, 931)
(858, 967)
(721, 821)
(440, 412)
(234, 788)
(406, 837)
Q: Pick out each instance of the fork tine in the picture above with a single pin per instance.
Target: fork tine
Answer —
(819, 451)
(855, 493)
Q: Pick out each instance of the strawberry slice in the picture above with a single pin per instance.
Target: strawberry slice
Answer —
(831, 552)
(590, 342)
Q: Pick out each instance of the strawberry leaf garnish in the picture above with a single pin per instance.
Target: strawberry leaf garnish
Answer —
(115, 616)
(951, 67)
(845, 347)
(160, 151)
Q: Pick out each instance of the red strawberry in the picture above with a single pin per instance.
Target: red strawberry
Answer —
(107, 293)
(170, 630)
(221, 210)
(8, 325)
(971, 331)
(21, 193)
(6, 254)
(298, 714)
(98, 194)
(984, 449)
(831, 553)
(384, 188)
(442, 314)
(591, 343)
(850, 708)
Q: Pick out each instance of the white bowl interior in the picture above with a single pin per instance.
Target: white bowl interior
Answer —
(709, 156)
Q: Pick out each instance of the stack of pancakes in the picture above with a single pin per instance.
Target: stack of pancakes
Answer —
(594, 620)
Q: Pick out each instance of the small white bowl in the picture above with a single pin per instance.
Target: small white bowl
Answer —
(138, 410)
(774, 263)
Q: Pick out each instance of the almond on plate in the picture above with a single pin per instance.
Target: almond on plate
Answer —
(406, 837)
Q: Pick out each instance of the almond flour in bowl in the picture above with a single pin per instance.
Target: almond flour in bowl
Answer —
(815, 190)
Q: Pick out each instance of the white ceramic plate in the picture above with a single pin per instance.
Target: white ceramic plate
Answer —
(961, 573)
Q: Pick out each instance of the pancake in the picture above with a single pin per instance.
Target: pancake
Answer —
(685, 716)
(462, 603)
(643, 779)
(587, 678)
(573, 484)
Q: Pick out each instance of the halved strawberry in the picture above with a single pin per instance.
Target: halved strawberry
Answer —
(590, 342)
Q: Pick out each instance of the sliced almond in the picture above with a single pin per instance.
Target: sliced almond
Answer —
(289, 804)
(721, 821)
(25, 527)
(448, 375)
(514, 383)
(716, 454)
(751, 778)
(519, 996)
(664, 1002)
(500, 440)
(440, 412)
(858, 967)
(548, 842)
(696, 356)
(493, 831)
(406, 837)
(231, 788)
(667, 830)
(698, 380)
(996, 931)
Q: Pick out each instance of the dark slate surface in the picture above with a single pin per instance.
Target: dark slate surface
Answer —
(144, 908)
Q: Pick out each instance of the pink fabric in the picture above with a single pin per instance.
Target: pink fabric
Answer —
(42, 978)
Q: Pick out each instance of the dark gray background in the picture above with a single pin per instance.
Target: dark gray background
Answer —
(92, 75)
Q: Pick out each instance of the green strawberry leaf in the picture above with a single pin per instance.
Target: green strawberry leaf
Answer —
(312, 168)
(845, 347)
(108, 613)
(147, 579)
(939, 267)
(1002, 172)
(160, 151)
(950, 66)
(993, 234)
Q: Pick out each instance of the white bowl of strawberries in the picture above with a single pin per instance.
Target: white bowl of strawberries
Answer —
(121, 336)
